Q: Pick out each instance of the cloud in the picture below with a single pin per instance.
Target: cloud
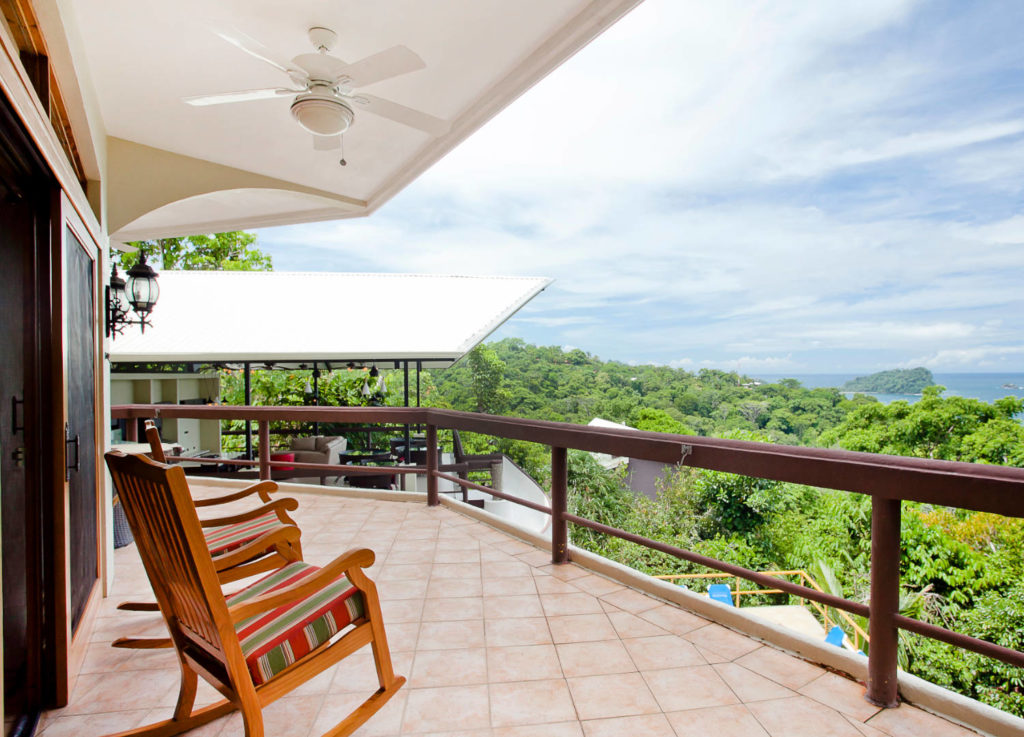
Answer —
(983, 357)
(836, 185)
(555, 322)
(746, 364)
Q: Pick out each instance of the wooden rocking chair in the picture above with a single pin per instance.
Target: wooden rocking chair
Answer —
(258, 644)
(255, 541)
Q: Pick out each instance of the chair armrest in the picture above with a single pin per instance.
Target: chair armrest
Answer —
(263, 488)
(341, 566)
(285, 535)
(278, 505)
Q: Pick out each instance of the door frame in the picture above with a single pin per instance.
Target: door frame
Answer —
(70, 647)
(35, 273)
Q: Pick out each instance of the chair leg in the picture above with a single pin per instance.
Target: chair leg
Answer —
(379, 643)
(389, 682)
(142, 643)
(171, 727)
(138, 606)
(365, 710)
(252, 714)
(253, 724)
(187, 694)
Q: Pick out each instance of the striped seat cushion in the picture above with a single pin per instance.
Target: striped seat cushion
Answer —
(223, 539)
(273, 640)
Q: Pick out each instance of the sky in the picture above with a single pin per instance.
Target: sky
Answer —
(769, 187)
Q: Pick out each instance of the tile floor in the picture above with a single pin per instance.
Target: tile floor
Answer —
(496, 642)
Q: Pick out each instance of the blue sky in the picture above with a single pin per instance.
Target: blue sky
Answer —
(771, 187)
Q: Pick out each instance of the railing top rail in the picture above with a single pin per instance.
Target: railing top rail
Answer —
(996, 489)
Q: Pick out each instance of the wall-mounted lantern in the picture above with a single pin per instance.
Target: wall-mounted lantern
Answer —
(140, 293)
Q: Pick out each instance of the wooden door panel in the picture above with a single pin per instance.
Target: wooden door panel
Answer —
(24, 199)
(83, 563)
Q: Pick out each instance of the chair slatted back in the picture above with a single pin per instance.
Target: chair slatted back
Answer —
(457, 450)
(156, 447)
(163, 519)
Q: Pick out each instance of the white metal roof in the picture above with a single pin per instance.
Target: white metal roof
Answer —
(605, 459)
(222, 316)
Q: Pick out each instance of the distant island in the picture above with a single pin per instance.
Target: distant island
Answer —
(894, 381)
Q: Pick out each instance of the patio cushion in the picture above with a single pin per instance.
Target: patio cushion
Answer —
(283, 457)
(303, 443)
(273, 640)
(325, 442)
(223, 539)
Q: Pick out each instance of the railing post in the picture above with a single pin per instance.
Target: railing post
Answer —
(432, 500)
(264, 449)
(559, 502)
(885, 602)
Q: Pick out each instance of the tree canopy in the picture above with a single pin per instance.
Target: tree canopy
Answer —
(549, 383)
(958, 568)
(232, 251)
(894, 381)
(947, 428)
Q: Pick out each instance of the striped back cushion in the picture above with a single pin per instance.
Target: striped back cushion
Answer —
(273, 640)
(223, 539)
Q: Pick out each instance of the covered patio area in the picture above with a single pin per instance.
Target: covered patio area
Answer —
(496, 641)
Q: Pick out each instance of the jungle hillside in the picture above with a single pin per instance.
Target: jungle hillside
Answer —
(960, 569)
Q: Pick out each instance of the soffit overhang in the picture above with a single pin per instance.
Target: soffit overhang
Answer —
(175, 169)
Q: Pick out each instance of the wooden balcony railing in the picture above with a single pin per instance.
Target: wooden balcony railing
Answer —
(888, 480)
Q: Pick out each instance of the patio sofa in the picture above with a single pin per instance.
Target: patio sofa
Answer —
(317, 449)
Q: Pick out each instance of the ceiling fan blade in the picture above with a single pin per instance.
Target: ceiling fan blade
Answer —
(326, 143)
(242, 96)
(402, 114)
(389, 63)
(255, 49)
(323, 67)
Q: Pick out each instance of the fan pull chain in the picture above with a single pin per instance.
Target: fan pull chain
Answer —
(343, 162)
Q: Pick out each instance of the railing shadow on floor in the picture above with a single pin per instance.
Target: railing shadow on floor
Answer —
(888, 480)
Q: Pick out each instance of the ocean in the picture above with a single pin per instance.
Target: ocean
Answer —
(986, 387)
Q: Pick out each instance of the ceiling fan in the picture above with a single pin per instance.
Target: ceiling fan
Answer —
(324, 87)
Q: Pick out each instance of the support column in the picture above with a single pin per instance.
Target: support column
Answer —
(316, 395)
(432, 500)
(248, 403)
(885, 602)
(264, 450)
(559, 501)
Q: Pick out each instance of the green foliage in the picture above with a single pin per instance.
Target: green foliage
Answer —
(550, 383)
(948, 428)
(657, 420)
(894, 381)
(487, 379)
(339, 388)
(596, 494)
(931, 558)
(958, 568)
(731, 504)
(231, 251)
(998, 617)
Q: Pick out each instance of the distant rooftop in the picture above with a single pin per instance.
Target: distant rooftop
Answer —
(233, 316)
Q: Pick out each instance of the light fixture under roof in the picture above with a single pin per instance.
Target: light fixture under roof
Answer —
(321, 113)
(327, 86)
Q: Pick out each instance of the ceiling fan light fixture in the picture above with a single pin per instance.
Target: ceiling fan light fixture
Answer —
(321, 115)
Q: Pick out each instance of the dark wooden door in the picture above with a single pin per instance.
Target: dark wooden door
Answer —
(80, 431)
(24, 205)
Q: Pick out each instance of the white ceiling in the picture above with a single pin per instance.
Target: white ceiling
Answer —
(144, 56)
